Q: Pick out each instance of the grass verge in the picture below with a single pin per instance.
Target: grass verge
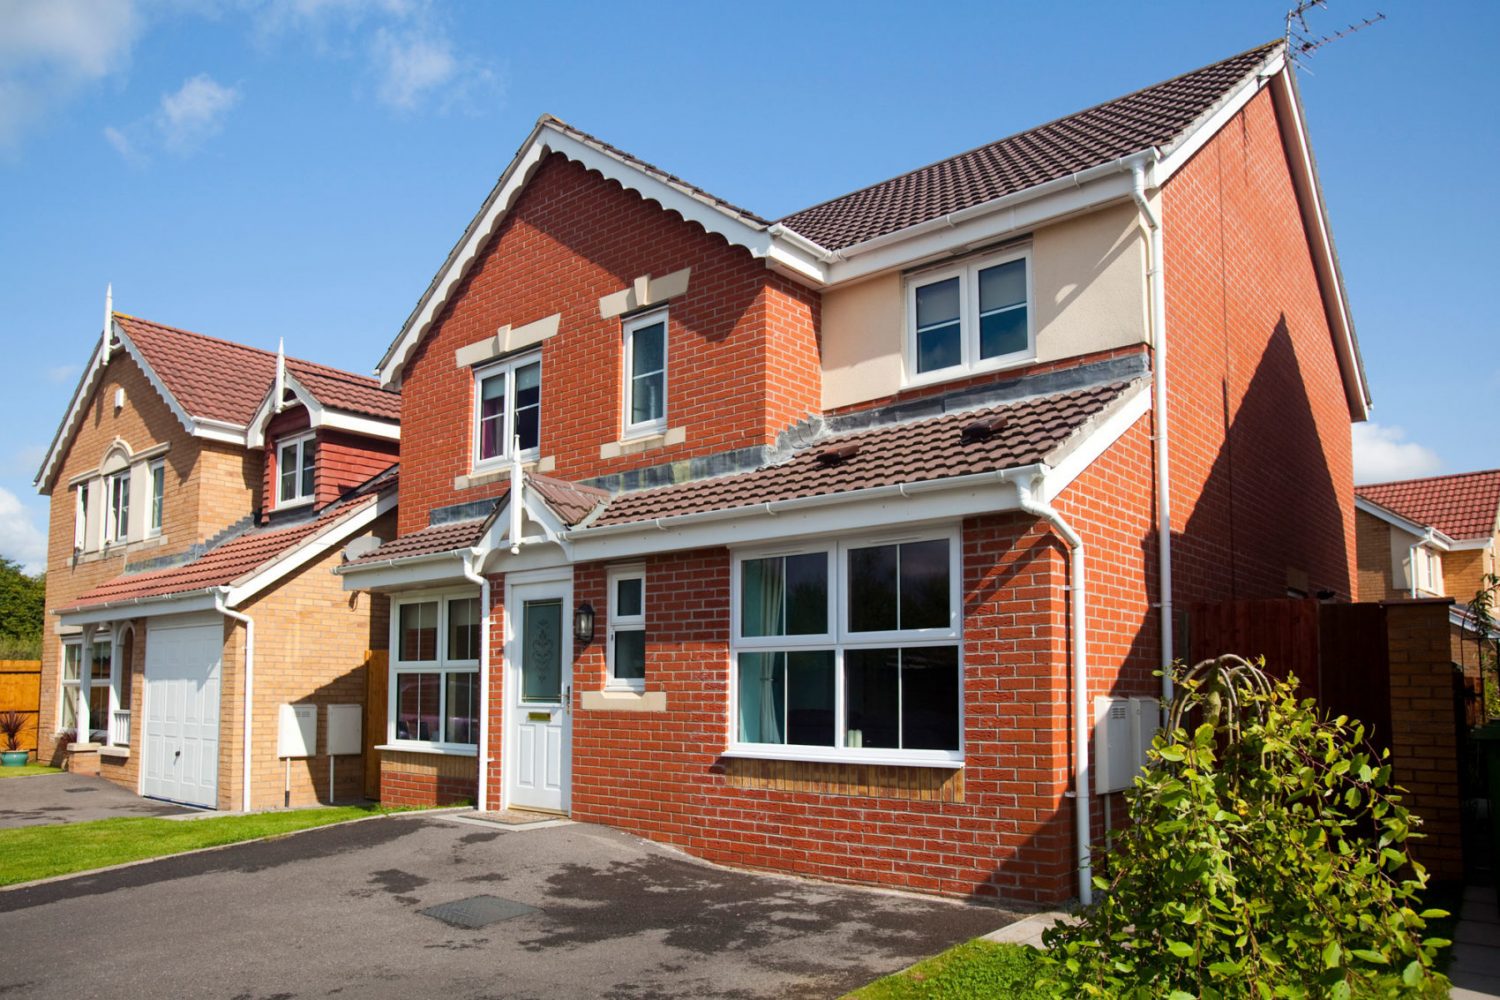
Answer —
(32, 852)
(976, 968)
(29, 770)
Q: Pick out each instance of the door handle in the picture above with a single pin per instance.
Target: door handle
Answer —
(177, 753)
(568, 699)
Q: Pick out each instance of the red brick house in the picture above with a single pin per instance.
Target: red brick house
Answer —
(201, 492)
(819, 544)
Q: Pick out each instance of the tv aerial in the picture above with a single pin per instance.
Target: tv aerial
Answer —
(1302, 40)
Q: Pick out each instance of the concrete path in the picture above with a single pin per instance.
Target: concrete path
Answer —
(1476, 947)
(44, 799)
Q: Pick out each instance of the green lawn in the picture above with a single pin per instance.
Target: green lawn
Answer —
(28, 770)
(976, 968)
(33, 852)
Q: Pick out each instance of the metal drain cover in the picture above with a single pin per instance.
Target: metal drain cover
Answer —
(477, 911)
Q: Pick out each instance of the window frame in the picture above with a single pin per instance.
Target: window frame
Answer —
(617, 622)
(507, 368)
(970, 362)
(81, 515)
(117, 506)
(156, 479)
(441, 664)
(628, 327)
(300, 442)
(839, 639)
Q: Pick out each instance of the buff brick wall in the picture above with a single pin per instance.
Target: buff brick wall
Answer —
(1262, 477)
(742, 350)
(1464, 571)
(1376, 573)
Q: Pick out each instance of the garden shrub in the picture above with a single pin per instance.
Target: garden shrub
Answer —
(1265, 856)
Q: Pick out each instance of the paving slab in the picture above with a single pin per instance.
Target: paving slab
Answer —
(46, 799)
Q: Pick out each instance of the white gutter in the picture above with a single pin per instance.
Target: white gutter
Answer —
(796, 239)
(249, 691)
(1028, 487)
(1159, 418)
(484, 675)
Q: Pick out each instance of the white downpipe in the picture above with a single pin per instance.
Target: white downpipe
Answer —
(249, 690)
(484, 676)
(1027, 489)
(1159, 402)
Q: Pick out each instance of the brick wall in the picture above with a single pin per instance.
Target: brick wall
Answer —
(424, 779)
(1464, 571)
(343, 460)
(1262, 487)
(742, 355)
(1376, 573)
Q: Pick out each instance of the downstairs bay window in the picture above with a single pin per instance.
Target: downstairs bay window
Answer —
(849, 652)
(434, 702)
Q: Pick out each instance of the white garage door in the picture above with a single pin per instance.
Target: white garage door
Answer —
(182, 711)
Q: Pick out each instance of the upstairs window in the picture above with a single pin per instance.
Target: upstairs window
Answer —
(508, 405)
(627, 628)
(158, 487)
(295, 462)
(646, 373)
(117, 512)
(970, 318)
(81, 517)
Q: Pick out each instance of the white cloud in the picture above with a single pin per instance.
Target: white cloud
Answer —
(410, 66)
(1383, 453)
(122, 144)
(50, 49)
(194, 112)
(20, 538)
(58, 374)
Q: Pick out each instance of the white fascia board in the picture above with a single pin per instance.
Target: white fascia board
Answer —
(405, 574)
(802, 517)
(307, 550)
(143, 607)
(318, 415)
(64, 435)
(1089, 443)
(182, 415)
(355, 423)
(1469, 544)
(1174, 156)
(972, 227)
(218, 430)
(1437, 539)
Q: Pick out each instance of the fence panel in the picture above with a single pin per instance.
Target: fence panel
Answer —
(21, 691)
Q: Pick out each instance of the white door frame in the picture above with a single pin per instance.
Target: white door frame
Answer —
(561, 581)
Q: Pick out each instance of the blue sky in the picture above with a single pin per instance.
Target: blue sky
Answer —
(299, 169)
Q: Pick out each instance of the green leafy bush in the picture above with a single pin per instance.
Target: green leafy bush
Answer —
(1265, 857)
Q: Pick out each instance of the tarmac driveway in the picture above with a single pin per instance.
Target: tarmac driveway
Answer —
(337, 911)
(43, 799)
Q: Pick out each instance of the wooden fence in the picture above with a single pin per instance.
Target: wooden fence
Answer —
(21, 691)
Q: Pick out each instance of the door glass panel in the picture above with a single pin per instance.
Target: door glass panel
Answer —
(541, 651)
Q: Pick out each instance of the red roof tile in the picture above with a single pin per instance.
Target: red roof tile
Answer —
(436, 540)
(570, 501)
(1151, 117)
(221, 380)
(1031, 430)
(1461, 506)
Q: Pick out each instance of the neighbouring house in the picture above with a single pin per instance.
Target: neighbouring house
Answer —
(819, 544)
(1433, 537)
(201, 493)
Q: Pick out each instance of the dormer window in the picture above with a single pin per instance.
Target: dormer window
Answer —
(973, 317)
(508, 399)
(294, 470)
(646, 373)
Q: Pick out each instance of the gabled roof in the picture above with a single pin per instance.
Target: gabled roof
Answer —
(1158, 116)
(237, 563)
(214, 387)
(1463, 506)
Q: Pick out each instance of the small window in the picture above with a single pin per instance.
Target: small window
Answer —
(81, 518)
(627, 628)
(158, 487)
(435, 671)
(509, 405)
(646, 373)
(970, 318)
(296, 461)
(117, 515)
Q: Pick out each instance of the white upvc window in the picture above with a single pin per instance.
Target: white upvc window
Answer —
(972, 317)
(508, 405)
(434, 701)
(645, 373)
(626, 649)
(95, 680)
(849, 651)
(81, 516)
(158, 484)
(117, 506)
(296, 463)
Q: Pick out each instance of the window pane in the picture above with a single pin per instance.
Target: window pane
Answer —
(630, 654)
(924, 584)
(929, 698)
(72, 659)
(419, 631)
(98, 712)
(809, 698)
(807, 594)
(872, 698)
(287, 469)
(462, 722)
(647, 398)
(417, 706)
(762, 598)
(1002, 285)
(529, 405)
(938, 348)
(872, 589)
(99, 664)
(541, 651)
(937, 303)
(648, 349)
(463, 629)
(70, 706)
(492, 416)
(309, 460)
(762, 695)
(784, 595)
(158, 486)
(1002, 333)
(628, 596)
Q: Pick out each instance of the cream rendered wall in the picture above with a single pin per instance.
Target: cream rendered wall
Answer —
(1089, 284)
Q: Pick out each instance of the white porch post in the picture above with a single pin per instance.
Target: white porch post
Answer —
(81, 728)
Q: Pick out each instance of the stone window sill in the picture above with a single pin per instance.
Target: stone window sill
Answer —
(648, 442)
(541, 467)
(623, 701)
